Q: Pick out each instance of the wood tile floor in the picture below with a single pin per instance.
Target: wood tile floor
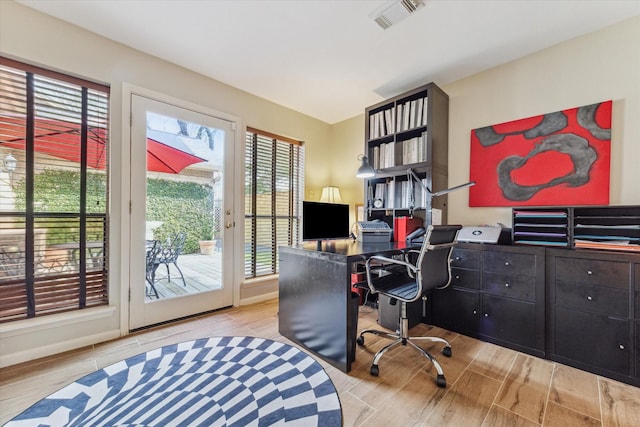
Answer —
(487, 385)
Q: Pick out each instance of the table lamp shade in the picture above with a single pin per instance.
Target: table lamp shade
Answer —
(330, 195)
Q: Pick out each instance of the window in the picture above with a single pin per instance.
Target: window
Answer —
(274, 189)
(53, 192)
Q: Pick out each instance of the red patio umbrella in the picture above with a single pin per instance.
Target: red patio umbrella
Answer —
(168, 153)
(165, 152)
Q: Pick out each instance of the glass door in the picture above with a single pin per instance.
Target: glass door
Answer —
(181, 212)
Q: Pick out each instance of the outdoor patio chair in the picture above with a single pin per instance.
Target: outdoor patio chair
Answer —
(153, 248)
(169, 255)
(11, 261)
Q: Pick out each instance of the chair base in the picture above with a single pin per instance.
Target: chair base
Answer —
(402, 338)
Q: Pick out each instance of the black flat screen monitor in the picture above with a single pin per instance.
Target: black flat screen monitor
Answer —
(324, 221)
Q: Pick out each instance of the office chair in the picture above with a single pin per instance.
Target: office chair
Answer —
(406, 281)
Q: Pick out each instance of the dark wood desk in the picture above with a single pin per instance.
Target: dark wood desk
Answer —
(317, 309)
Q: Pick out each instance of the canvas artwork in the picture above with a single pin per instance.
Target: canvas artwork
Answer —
(555, 159)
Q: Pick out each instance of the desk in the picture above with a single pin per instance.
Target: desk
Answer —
(317, 309)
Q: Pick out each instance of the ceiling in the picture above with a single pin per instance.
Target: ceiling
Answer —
(328, 59)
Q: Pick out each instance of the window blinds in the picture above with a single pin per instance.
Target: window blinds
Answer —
(274, 189)
(54, 203)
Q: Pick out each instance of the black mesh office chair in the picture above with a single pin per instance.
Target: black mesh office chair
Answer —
(409, 280)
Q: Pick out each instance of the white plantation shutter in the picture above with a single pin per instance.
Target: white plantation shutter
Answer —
(274, 189)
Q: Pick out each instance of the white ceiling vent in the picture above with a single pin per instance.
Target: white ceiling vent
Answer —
(394, 11)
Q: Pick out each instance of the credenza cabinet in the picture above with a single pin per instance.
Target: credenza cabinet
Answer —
(577, 307)
(496, 294)
(593, 315)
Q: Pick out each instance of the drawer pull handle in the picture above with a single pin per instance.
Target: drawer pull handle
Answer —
(506, 263)
(458, 258)
(486, 315)
(506, 285)
(458, 277)
(590, 298)
(621, 347)
(475, 311)
(589, 272)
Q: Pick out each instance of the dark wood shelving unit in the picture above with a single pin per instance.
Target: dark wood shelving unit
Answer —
(408, 131)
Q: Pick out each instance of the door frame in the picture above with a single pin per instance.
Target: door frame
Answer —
(121, 283)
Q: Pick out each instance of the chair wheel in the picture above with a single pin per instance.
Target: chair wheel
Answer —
(441, 381)
(360, 340)
(447, 351)
(374, 370)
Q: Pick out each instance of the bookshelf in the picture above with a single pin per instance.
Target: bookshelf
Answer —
(408, 131)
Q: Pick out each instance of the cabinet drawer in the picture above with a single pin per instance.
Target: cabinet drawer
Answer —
(509, 263)
(457, 310)
(593, 272)
(465, 278)
(596, 299)
(593, 339)
(465, 258)
(509, 320)
(510, 285)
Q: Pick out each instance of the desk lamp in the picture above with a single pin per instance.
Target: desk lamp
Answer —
(365, 170)
(411, 176)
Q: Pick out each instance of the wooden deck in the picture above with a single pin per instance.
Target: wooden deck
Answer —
(201, 273)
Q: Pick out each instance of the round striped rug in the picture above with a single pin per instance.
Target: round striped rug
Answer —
(222, 381)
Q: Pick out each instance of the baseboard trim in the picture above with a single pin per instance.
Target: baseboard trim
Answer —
(259, 298)
(61, 347)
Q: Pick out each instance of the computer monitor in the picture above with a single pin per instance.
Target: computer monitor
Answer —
(325, 221)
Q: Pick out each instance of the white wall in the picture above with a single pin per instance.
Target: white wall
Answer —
(596, 67)
(32, 37)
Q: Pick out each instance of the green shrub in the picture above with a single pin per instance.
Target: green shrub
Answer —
(181, 206)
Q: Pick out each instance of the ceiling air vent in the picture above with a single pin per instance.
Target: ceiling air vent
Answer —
(394, 11)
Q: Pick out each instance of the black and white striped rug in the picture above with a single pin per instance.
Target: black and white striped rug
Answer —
(222, 381)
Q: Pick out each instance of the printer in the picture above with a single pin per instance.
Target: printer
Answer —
(374, 232)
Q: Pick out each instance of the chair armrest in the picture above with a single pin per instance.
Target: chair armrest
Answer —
(410, 268)
(442, 246)
(388, 261)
